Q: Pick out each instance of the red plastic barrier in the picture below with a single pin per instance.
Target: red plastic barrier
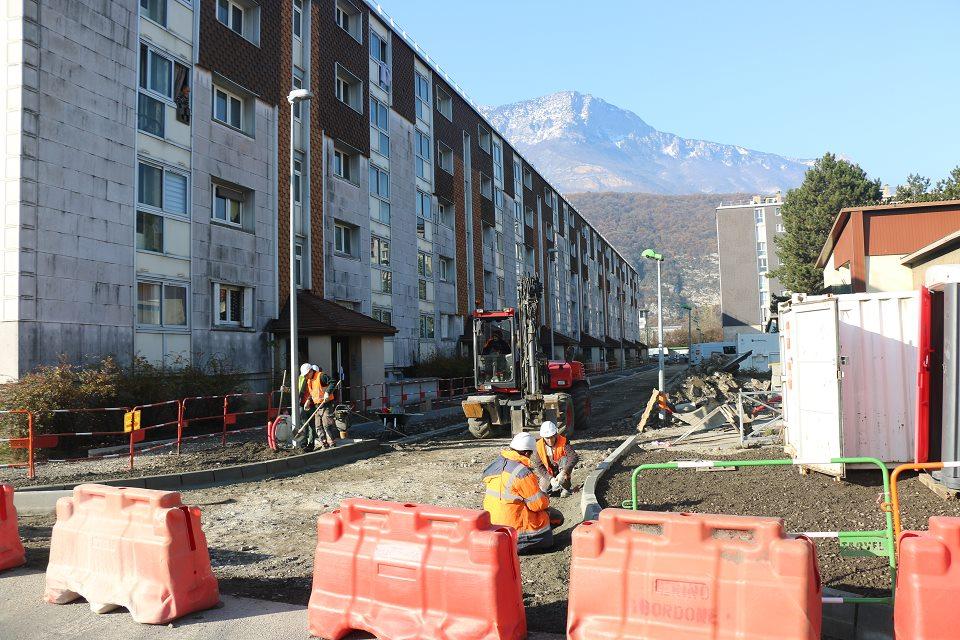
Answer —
(134, 548)
(11, 549)
(415, 572)
(928, 582)
(680, 576)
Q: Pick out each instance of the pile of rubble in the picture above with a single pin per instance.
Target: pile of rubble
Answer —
(719, 385)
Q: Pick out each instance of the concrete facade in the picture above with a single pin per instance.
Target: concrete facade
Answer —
(745, 242)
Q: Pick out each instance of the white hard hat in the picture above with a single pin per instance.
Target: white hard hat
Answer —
(523, 442)
(315, 367)
(305, 368)
(548, 429)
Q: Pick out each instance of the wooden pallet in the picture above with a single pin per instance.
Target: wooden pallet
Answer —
(937, 488)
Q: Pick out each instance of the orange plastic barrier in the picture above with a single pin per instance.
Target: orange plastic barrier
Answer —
(415, 572)
(680, 576)
(134, 548)
(11, 549)
(928, 582)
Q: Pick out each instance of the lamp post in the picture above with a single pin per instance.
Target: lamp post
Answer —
(552, 256)
(689, 310)
(623, 355)
(295, 97)
(650, 254)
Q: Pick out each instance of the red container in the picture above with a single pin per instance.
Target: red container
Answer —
(415, 572)
(928, 582)
(679, 576)
(11, 549)
(134, 548)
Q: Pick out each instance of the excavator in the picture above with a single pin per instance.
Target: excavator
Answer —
(517, 386)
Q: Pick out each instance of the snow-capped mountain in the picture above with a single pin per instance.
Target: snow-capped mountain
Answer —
(582, 143)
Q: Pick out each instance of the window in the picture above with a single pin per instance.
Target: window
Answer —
(297, 84)
(150, 115)
(227, 108)
(156, 72)
(444, 104)
(762, 264)
(548, 197)
(385, 283)
(379, 251)
(161, 189)
(349, 19)
(423, 205)
(424, 265)
(445, 157)
(498, 238)
(483, 138)
(349, 89)
(426, 327)
(527, 178)
(781, 228)
(423, 291)
(486, 187)
(155, 10)
(345, 165)
(498, 198)
(761, 248)
(161, 304)
(446, 269)
(379, 49)
(758, 215)
(298, 180)
(149, 232)
(422, 90)
(343, 238)
(498, 161)
(298, 259)
(233, 306)
(227, 205)
(380, 189)
(777, 211)
(763, 282)
(380, 140)
(446, 321)
(422, 151)
(298, 18)
(242, 17)
(528, 216)
(500, 287)
(383, 315)
(444, 213)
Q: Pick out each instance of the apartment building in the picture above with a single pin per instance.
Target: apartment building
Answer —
(147, 183)
(745, 242)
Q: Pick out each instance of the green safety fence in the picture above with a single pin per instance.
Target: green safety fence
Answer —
(853, 544)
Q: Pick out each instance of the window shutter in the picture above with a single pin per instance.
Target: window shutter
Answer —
(215, 307)
(248, 306)
(175, 193)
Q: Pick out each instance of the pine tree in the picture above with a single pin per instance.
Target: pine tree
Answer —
(808, 213)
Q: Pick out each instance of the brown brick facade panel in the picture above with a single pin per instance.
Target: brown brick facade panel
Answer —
(284, 81)
(404, 96)
(333, 46)
(507, 170)
(234, 57)
(460, 232)
(487, 212)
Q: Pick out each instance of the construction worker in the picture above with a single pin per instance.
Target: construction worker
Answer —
(495, 345)
(513, 497)
(323, 396)
(305, 387)
(556, 459)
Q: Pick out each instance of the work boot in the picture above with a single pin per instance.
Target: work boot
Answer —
(564, 493)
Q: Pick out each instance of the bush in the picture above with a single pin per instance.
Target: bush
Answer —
(106, 384)
(441, 365)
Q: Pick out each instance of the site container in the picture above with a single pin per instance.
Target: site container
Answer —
(764, 350)
(703, 350)
(850, 375)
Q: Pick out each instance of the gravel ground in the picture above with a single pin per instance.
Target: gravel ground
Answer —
(262, 535)
(812, 502)
(196, 455)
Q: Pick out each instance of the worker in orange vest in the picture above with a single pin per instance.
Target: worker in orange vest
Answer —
(319, 396)
(513, 496)
(556, 459)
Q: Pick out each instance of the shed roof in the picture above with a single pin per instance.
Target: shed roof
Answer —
(319, 316)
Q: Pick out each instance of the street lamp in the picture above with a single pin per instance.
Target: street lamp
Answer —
(623, 356)
(552, 256)
(295, 97)
(650, 254)
(689, 310)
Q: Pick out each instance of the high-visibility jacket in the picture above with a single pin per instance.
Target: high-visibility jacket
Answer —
(564, 458)
(513, 496)
(318, 389)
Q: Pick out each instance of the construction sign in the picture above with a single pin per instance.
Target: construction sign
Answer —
(131, 421)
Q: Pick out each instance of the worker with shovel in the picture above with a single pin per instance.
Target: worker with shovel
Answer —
(554, 461)
(513, 496)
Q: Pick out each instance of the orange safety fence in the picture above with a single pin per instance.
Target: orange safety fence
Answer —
(895, 494)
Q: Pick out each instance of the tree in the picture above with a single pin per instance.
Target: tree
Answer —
(808, 213)
(917, 188)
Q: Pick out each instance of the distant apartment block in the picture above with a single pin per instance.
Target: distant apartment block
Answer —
(745, 234)
(146, 191)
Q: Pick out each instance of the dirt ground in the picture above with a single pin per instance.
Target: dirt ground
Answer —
(812, 502)
(262, 535)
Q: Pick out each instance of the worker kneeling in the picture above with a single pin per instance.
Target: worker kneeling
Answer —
(514, 498)
(555, 460)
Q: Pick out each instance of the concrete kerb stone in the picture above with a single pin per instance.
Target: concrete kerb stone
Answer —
(43, 499)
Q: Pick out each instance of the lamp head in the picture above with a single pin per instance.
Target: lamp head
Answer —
(299, 95)
(652, 255)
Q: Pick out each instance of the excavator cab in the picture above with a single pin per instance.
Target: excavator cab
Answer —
(494, 346)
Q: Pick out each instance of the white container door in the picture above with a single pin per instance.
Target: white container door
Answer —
(816, 385)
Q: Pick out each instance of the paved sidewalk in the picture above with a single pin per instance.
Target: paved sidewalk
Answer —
(24, 615)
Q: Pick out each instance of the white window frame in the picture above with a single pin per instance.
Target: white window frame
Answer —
(421, 149)
(298, 253)
(443, 213)
(444, 103)
(348, 88)
(144, 211)
(350, 11)
(166, 12)
(444, 268)
(153, 52)
(498, 161)
(379, 251)
(163, 207)
(298, 78)
(378, 109)
(427, 321)
(384, 42)
(424, 104)
(486, 186)
(230, 96)
(376, 193)
(343, 239)
(385, 276)
(345, 162)
(226, 220)
(484, 139)
(250, 19)
(424, 205)
(759, 215)
(444, 157)
(383, 314)
(246, 305)
(297, 19)
(164, 285)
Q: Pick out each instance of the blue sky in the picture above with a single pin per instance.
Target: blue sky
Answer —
(874, 81)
